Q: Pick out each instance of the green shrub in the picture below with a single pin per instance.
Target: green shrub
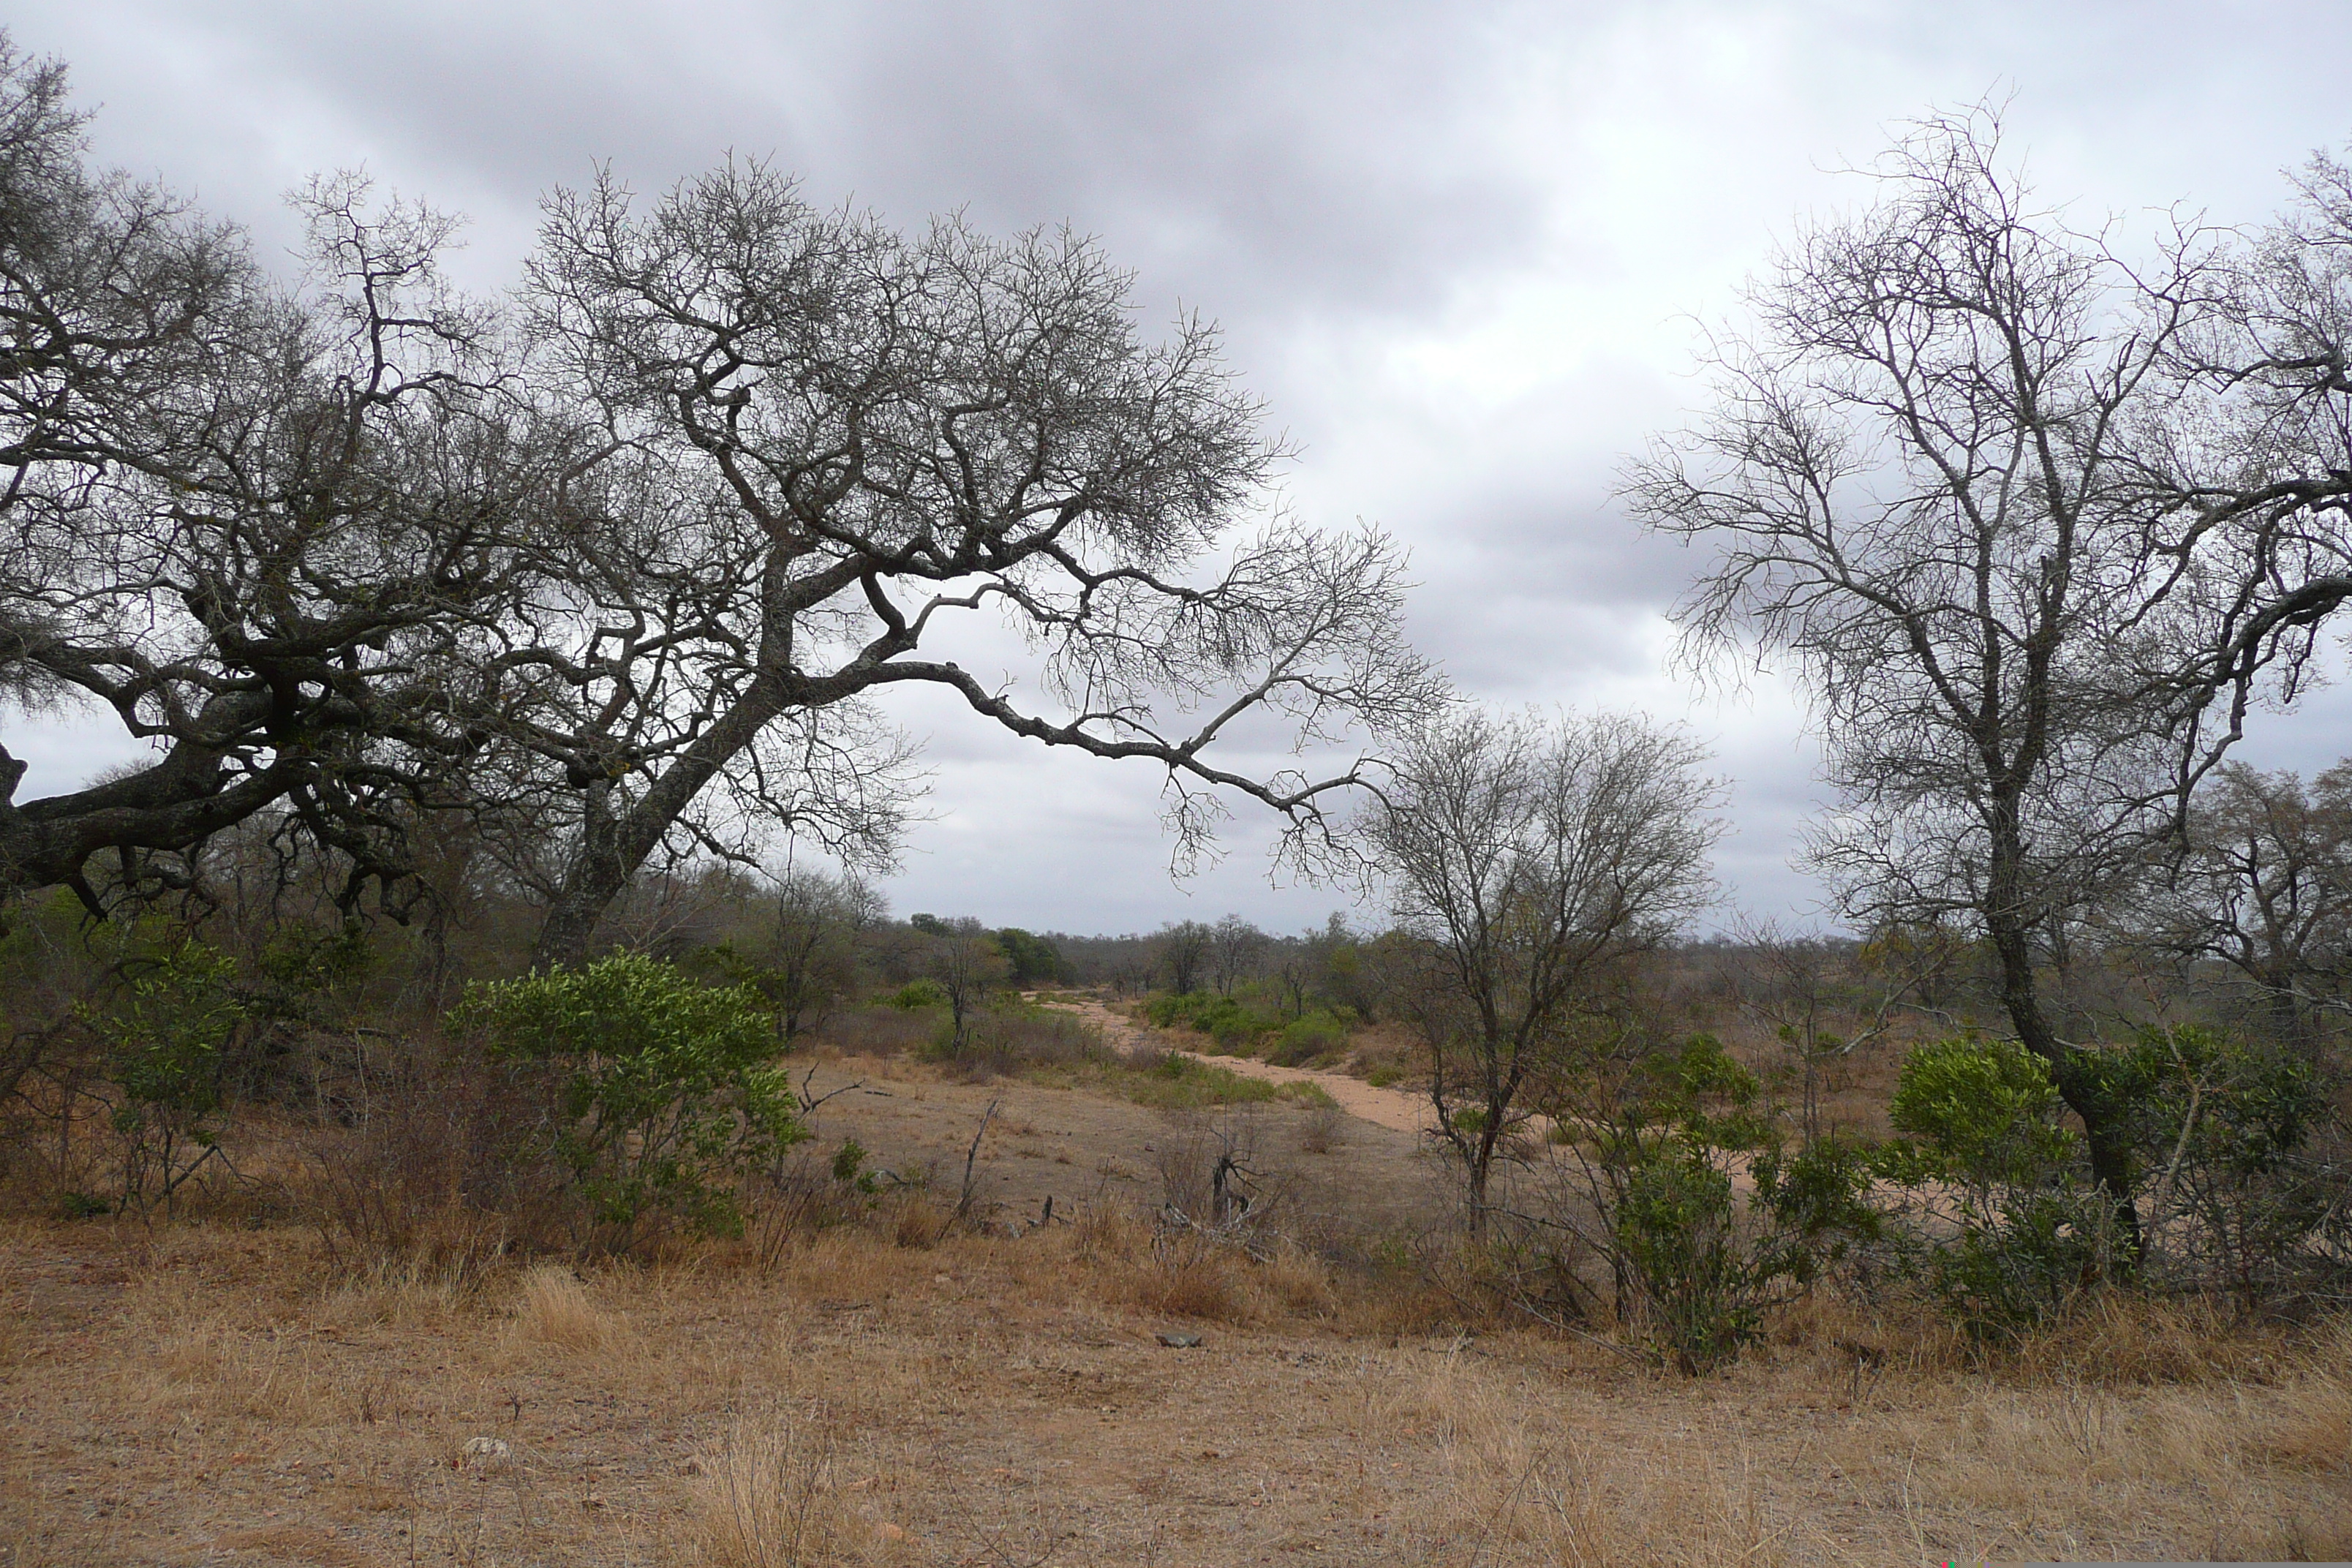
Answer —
(1383, 1078)
(1985, 1113)
(167, 1041)
(663, 1100)
(918, 994)
(1704, 1274)
(1674, 1225)
(1307, 1039)
(1176, 1009)
(2223, 1131)
(1234, 1025)
(2012, 1233)
(1179, 1082)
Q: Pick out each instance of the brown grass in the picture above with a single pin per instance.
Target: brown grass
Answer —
(552, 1308)
(765, 1496)
(868, 1383)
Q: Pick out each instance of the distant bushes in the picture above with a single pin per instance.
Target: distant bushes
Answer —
(1250, 1024)
(917, 994)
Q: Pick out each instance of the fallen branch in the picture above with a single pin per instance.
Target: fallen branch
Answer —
(963, 1201)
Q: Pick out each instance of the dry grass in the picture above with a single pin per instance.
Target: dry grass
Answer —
(1528, 1490)
(765, 1496)
(553, 1307)
(887, 1388)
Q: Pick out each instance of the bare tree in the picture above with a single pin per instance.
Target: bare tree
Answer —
(2254, 470)
(967, 964)
(831, 442)
(1184, 952)
(1817, 996)
(803, 953)
(257, 528)
(2263, 884)
(1235, 950)
(1528, 858)
(1945, 476)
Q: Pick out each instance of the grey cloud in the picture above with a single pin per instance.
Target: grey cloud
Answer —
(1448, 244)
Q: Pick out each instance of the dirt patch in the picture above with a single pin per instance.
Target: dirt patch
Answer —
(1397, 1110)
(1359, 1182)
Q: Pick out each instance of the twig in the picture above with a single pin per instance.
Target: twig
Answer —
(1628, 1352)
(808, 1106)
(963, 1202)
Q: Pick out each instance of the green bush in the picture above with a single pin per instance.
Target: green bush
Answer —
(1704, 1273)
(167, 1040)
(2223, 1132)
(663, 1100)
(1236, 1025)
(1308, 1039)
(918, 994)
(1985, 1113)
(1175, 1009)
(1179, 1082)
(2013, 1233)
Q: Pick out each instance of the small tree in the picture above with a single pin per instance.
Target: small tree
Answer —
(1236, 948)
(1184, 953)
(1528, 858)
(1819, 1000)
(1653, 1190)
(966, 962)
(168, 1043)
(805, 955)
(2262, 882)
(662, 1096)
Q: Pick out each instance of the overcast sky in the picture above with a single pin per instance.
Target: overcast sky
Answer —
(1458, 250)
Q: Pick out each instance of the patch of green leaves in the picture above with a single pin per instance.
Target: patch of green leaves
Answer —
(664, 1098)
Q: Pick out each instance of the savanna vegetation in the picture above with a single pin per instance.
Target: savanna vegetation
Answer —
(465, 1095)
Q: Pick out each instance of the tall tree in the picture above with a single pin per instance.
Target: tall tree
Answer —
(838, 440)
(1949, 476)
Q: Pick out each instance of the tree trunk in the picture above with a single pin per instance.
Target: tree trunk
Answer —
(613, 849)
(2103, 1136)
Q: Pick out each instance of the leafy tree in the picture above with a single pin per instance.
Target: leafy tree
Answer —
(965, 963)
(1029, 959)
